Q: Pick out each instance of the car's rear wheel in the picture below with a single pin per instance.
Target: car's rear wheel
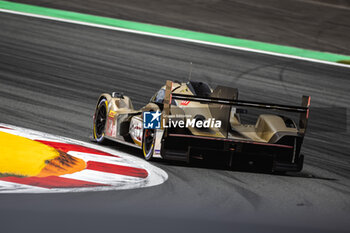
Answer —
(148, 143)
(100, 121)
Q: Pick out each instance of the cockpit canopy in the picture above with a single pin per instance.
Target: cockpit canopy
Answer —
(197, 88)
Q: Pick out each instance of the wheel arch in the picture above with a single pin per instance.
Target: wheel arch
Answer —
(106, 96)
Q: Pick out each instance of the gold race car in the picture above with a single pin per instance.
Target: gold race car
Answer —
(191, 120)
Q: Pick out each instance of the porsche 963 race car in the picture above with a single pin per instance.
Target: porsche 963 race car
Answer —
(187, 120)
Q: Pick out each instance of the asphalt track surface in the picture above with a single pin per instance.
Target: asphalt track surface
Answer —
(51, 74)
(312, 24)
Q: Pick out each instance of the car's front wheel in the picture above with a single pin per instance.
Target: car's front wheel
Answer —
(100, 121)
(148, 143)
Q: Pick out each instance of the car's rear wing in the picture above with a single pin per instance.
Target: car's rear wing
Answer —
(303, 109)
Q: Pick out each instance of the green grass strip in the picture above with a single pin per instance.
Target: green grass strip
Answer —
(325, 56)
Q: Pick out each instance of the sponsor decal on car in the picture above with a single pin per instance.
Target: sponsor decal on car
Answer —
(111, 127)
(112, 113)
(185, 102)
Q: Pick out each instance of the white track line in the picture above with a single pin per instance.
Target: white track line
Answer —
(103, 159)
(101, 177)
(173, 38)
(98, 158)
(10, 187)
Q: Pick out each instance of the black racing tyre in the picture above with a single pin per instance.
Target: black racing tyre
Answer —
(300, 163)
(100, 121)
(148, 143)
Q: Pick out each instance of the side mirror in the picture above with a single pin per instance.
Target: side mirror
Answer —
(118, 95)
